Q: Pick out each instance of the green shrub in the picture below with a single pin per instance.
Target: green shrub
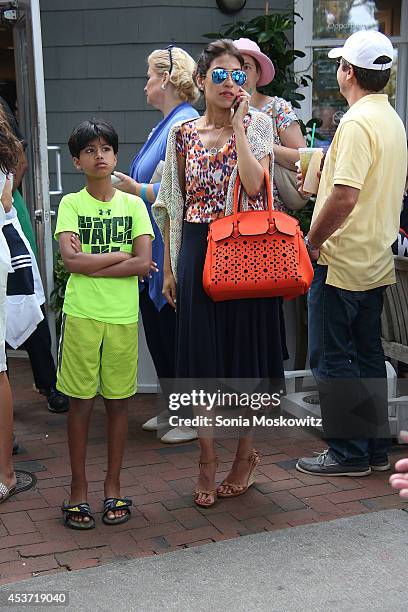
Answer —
(61, 277)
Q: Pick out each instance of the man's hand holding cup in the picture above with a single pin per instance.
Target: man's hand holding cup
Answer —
(309, 165)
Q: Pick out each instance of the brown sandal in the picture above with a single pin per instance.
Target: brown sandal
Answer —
(237, 489)
(198, 492)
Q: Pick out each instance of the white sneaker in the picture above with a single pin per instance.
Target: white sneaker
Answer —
(158, 422)
(179, 434)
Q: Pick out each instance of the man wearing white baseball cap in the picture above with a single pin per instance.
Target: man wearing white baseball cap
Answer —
(354, 224)
(362, 49)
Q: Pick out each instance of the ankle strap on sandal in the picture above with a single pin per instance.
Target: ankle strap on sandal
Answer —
(252, 457)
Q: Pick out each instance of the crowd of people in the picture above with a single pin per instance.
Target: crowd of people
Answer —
(139, 241)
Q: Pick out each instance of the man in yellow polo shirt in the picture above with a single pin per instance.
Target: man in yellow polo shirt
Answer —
(355, 222)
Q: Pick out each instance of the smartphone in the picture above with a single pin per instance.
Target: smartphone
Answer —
(235, 104)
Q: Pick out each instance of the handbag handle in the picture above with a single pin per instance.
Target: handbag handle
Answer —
(268, 192)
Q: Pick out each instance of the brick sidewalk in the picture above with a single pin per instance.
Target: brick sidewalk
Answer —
(160, 479)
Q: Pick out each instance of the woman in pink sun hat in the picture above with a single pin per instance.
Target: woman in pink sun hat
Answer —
(288, 136)
(286, 130)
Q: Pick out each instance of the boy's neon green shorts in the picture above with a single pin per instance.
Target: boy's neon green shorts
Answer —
(96, 357)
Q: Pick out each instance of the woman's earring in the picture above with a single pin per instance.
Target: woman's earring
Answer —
(162, 86)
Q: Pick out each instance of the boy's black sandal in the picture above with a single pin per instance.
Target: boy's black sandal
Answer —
(79, 510)
(116, 503)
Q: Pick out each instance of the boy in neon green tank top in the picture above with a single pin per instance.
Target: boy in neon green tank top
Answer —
(105, 241)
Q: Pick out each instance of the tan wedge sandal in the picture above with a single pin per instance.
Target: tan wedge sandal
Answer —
(237, 489)
(198, 492)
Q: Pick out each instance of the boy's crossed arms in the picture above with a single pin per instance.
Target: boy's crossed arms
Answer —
(117, 264)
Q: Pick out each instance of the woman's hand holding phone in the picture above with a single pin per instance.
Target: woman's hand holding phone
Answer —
(239, 108)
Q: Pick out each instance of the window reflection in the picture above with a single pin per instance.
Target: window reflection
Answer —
(339, 19)
(328, 104)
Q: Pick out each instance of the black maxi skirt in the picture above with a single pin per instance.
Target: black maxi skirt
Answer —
(233, 339)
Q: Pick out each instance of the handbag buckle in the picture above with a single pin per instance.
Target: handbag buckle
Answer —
(272, 228)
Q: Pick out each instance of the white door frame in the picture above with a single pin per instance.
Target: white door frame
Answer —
(33, 119)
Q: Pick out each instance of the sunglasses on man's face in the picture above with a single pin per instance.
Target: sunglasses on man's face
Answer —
(219, 75)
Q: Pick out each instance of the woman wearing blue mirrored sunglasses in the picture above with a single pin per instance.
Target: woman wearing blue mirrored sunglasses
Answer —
(219, 75)
(238, 338)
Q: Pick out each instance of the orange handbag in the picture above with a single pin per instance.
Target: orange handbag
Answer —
(253, 254)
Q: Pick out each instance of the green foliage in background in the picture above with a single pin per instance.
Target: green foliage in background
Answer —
(61, 277)
(304, 216)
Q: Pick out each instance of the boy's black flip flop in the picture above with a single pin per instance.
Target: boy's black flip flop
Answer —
(82, 509)
(116, 503)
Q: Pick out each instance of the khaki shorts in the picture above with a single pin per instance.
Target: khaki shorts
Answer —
(96, 357)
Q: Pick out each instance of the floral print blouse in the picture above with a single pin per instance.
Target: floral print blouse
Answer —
(207, 175)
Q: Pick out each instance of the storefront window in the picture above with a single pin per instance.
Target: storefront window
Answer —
(340, 18)
(328, 104)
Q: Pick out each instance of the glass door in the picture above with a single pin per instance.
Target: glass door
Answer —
(334, 19)
(32, 117)
(328, 25)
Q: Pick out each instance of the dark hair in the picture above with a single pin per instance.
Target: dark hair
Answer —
(215, 49)
(89, 130)
(370, 80)
(10, 146)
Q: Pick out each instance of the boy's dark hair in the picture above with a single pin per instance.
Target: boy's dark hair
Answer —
(370, 80)
(223, 46)
(89, 130)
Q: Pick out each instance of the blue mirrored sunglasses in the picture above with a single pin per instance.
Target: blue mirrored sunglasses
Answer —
(219, 75)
